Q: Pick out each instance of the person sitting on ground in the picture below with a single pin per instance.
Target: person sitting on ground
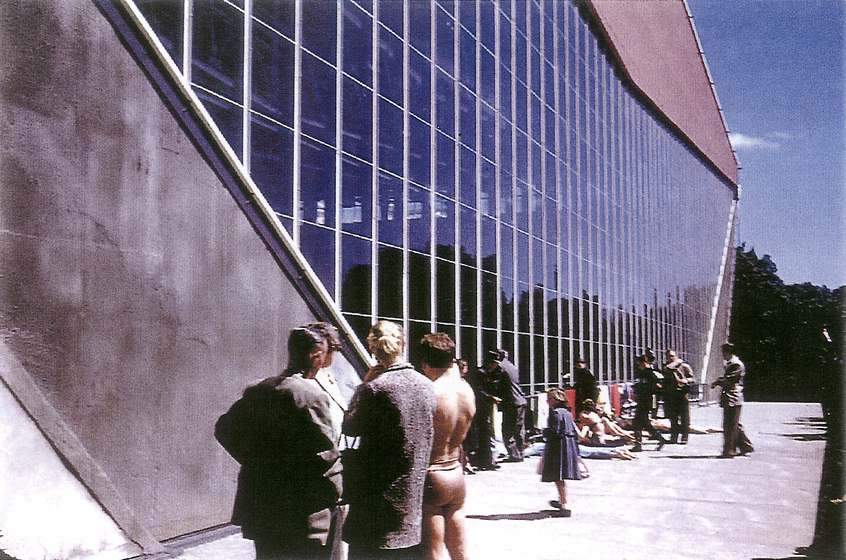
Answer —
(600, 431)
(444, 493)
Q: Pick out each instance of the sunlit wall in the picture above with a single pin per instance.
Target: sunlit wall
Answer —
(473, 167)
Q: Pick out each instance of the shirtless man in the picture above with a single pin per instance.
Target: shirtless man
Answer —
(443, 498)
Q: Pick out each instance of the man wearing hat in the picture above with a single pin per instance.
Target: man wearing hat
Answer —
(513, 404)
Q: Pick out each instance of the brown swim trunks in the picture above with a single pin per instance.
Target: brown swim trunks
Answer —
(445, 484)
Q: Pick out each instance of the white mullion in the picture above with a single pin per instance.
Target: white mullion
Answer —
(514, 247)
(187, 39)
(478, 163)
(531, 193)
(248, 83)
(558, 259)
(374, 178)
(433, 170)
(405, 171)
(339, 124)
(456, 113)
(298, 113)
(498, 166)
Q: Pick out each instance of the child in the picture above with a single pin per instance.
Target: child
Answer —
(561, 454)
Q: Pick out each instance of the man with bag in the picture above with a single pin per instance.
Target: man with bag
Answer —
(678, 380)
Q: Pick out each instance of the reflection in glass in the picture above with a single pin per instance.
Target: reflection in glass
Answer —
(272, 164)
(318, 247)
(390, 211)
(355, 264)
(356, 177)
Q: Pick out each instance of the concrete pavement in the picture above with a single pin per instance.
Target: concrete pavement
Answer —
(680, 503)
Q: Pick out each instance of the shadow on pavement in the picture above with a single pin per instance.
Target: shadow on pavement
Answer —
(533, 516)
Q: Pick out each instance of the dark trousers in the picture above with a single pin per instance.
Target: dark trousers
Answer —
(641, 422)
(734, 438)
(514, 430)
(677, 408)
(482, 455)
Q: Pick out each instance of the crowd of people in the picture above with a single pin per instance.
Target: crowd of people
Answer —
(382, 476)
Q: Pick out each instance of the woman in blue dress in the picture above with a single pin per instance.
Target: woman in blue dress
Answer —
(561, 454)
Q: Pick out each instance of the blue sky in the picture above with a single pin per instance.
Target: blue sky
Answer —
(778, 69)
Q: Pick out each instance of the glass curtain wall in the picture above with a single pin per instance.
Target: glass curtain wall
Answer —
(473, 167)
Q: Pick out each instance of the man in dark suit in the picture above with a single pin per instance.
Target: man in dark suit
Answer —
(513, 404)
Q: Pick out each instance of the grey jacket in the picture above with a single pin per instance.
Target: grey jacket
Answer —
(393, 417)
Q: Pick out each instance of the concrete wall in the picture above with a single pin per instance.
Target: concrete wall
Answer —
(133, 290)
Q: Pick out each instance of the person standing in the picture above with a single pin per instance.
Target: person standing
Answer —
(731, 399)
(560, 460)
(281, 433)
(392, 414)
(443, 497)
(513, 404)
(584, 384)
(480, 450)
(678, 380)
(644, 388)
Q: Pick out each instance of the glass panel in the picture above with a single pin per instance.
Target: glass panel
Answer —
(419, 219)
(467, 57)
(278, 14)
(319, 26)
(506, 250)
(468, 295)
(445, 104)
(487, 131)
(318, 99)
(317, 183)
(390, 15)
(505, 93)
(358, 41)
(445, 48)
(355, 264)
(166, 19)
(218, 49)
(507, 295)
(522, 206)
(390, 65)
(467, 185)
(390, 137)
(389, 293)
(445, 223)
(489, 300)
(273, 75)
(227, 116)
(467, 109)
(445, 290)
(420, 86)
(390, 210)
(468, 235)
(418, 151)
(419, 286)
(356, 197)
(273, 163)
(318, 247)
(445, 166)
(488, 188)
(487, 24)
(358, 120)
(420, 15)
(467, 15)
(488, 239)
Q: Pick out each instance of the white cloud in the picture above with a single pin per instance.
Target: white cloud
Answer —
(742, 141)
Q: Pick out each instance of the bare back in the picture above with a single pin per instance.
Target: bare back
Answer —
(456, 406)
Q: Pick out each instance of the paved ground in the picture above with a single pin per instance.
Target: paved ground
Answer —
(680, 503)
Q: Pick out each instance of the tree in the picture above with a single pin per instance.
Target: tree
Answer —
(778, 331)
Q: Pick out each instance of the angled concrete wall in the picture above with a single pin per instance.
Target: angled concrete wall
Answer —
(134, 293)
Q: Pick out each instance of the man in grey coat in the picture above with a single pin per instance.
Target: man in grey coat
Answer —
(513, 404)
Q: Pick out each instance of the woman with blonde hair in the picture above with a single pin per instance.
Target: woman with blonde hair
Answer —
(392, 414)
(561, 454)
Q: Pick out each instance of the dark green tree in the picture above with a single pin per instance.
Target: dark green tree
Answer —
(778, 331)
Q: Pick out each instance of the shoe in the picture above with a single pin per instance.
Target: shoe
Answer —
(512, 460)
(673, 441)
(492, 467)
(636, 449)
(726, 456)
(560, 511)
(683, 441)
(661, 443)
(469, 470)
(746, 450)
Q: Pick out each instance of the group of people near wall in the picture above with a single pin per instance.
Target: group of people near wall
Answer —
(384, 473)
